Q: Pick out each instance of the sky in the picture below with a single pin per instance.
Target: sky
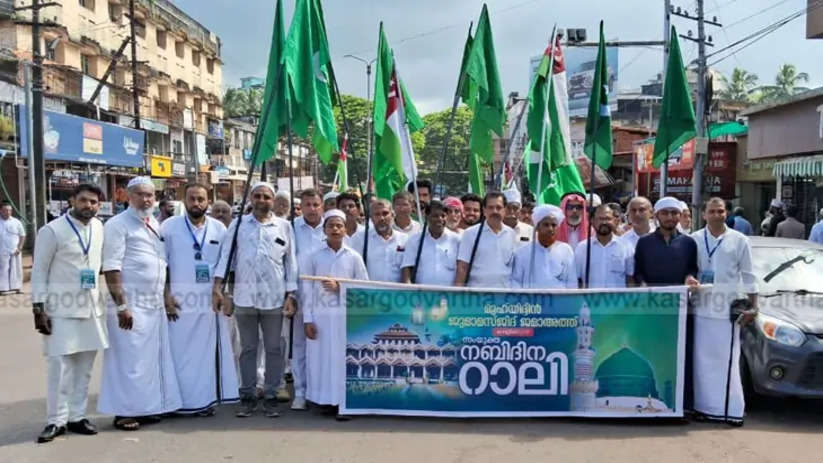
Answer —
(428, 37)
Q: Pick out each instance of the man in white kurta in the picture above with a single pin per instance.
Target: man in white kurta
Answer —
(487, 263)
(437, 264)
(309, 238)
(139, 380)
(200, 338)
(68, 311)
(12, 238)
(523, 231)
(639, 212)
(325, 316)
(386, 246)
(612, 262)
(547, 262)
(724, 259)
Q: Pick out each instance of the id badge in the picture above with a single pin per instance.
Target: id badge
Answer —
(706, 277)
(201, 273)
(88, 279)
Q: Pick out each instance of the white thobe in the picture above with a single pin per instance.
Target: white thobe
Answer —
(385, 255)
(12, 232)
(138, 370)
(553, 267)
(200, 339)
(492, 266)
(574, 236)
(438, 259)
(309, 240)
(731, 262)
(610, 264)
(523, 235)
(78, 328)
(326, 355)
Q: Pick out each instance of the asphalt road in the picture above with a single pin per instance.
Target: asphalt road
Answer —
(775, 430)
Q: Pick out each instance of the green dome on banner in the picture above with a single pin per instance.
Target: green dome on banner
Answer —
(626, 374)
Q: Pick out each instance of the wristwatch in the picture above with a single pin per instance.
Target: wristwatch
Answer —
(122, 308)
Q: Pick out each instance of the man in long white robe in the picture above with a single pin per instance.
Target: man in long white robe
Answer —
(724, 259)
(325, 317)
(139, 381)
(200, 338)
(68, 311)
(12, 238)
(545, 262)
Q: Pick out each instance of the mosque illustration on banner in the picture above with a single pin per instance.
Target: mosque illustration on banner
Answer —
(623, 382)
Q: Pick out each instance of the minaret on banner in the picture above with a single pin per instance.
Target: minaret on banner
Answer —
(584, 387)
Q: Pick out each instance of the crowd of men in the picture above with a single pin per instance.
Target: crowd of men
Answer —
(197, 307)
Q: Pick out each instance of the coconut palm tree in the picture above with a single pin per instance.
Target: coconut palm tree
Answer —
(739, 87)
(785, 83)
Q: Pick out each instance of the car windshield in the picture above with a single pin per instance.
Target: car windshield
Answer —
(787, 269)
(588, 66)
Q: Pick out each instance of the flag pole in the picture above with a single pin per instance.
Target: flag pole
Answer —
(500, 174)
(664, 174)
(450, 124)
(546, 123)
(589, 209)
(291, 213)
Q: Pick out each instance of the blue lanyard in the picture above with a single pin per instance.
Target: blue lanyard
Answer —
(84, 247)
(197, 246)
(706, 239)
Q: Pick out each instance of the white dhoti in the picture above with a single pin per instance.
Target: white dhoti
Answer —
(298, 356)
(204, 360)
(11, 272)
(718, 390)
(326, 358)
(138, 373)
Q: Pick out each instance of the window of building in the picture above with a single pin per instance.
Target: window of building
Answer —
(237, 135)
(87, 4)
(195, 58)
(140, 28)
(115, 12)
(51, 53)
(177, 146)
(198, 105)
(85, 64)
(179, 49)
(210, 65)
(161, 39)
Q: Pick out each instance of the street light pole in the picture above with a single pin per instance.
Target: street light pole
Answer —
(369, 120)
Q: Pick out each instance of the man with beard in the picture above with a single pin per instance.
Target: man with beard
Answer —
(403, 202)
(349, 204)
(309, 238)
(265, 270)
(685, 223)
(200, 337)
(12, 239)
(545, 263)
(640, 219)
(68, 311)
(438, 259)
(282, 204)
(424, 191)
(386, 246)
(166, 208)
(724, 261)
(472, 206)
(487, 249)
(511, 218)
(665, 256)
(139, 381)
(575, 228)
(454, 214)
(221, 211)
(612, 263)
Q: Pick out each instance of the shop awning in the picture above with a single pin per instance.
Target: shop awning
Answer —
(803, 166)
(721, 129)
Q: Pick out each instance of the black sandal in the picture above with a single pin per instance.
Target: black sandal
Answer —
(126, 423)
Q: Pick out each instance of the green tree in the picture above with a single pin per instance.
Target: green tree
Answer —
(455, 175)
(786, 84)
(739, 87)
(239, 102)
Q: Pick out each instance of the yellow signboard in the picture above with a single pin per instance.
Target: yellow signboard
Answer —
(161, 166)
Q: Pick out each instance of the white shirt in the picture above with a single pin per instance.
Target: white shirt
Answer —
(385, 256)
(180, 254)
(492, 267)
(11, 232)
(523, 234)
(347, 240)
(631, 237)
(265, 266)
(610, 264)
(58, 260)
(134, 247)
(438, 259)
(731, 261)
(553, 267)
(414, 227)
(326, 262)
(308, 241)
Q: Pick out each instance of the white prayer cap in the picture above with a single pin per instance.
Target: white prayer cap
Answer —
(334, 213)
(330, 195)
(512, 195)
(595, 200)
(684, 206)
(263, 185)
(137, 181)
(667, 202)
(777, 203)
(296, 201)
(283, 194)
(547, 210)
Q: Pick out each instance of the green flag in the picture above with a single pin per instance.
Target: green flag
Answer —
(394, 118)
(469, 90)
(553, 184)
(311, 81)
(677, 121)
(273, 114)
(598, 144)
